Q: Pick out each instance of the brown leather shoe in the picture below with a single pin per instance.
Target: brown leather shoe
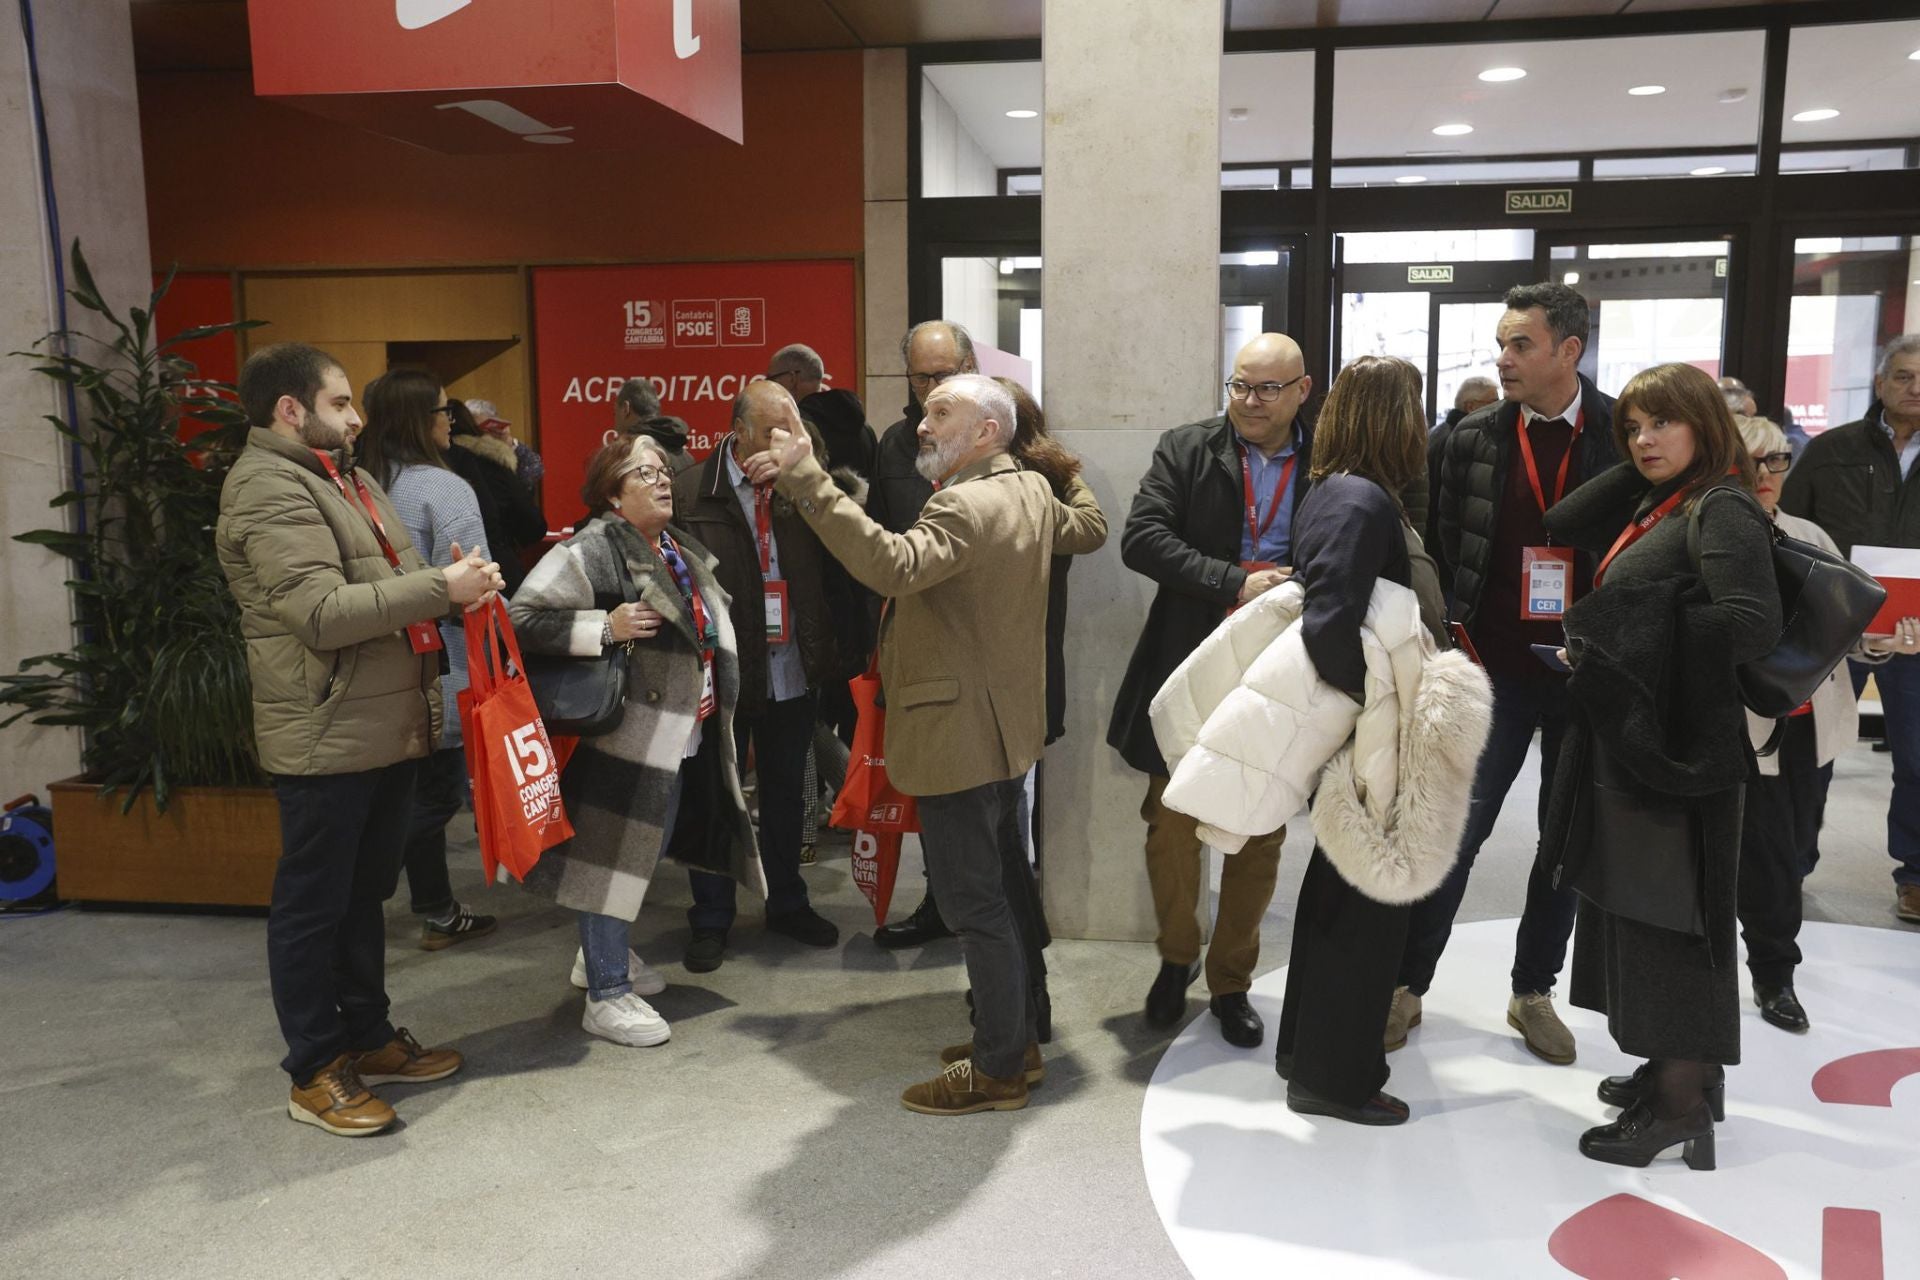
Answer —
(1906, 903)
(336, 1100)
(1032, 1065)
(404, 1061)
(961, 1091)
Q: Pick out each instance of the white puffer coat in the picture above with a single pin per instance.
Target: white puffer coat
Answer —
(1250, 731)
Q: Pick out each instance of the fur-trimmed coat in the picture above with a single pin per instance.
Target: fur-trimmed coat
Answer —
(617, 787)
(1250, 729)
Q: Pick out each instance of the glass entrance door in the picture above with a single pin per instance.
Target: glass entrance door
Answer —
(1653, 302)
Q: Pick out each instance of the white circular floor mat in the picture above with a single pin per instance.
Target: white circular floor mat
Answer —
(1819, 1157)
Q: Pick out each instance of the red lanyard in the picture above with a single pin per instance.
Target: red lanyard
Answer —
(1533, 468)
(1257, 531)
(1638, 530)
(366, 500)
(688, 591)
(763, 526)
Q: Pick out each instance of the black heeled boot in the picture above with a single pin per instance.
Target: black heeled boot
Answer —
(1626, 1091)
(1638, 1136)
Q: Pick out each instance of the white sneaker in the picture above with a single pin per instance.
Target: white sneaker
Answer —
(646, 980)
(625, 1020)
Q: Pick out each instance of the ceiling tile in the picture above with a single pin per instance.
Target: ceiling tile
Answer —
(767, 25)
(1271, 15)
(892, 22)
(1516, 9)
(191, 35)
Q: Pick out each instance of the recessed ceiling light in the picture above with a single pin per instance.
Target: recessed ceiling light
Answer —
(1708, 170)
(1021, 114)
(1500, 75)
(1730, 96)
(1452, 130)
(1570, 279)
(1818, 113)
(1647, 90)
(1408, 179)
(1236, 113)
(1914, 56)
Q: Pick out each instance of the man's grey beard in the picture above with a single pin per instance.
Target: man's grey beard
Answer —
(936, 463)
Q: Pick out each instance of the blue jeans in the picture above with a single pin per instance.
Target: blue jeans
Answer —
(603, 939)
(1898, 680)
(779, 736)
(1520, 706)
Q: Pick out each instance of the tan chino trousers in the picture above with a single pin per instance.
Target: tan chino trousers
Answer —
(1177, 870)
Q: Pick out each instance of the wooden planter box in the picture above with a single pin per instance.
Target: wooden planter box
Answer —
(214, 846)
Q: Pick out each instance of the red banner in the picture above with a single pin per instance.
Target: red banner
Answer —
(699, 333)
(462, 76)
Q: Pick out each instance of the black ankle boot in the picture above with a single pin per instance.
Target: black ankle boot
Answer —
(1639, 1135)
(1629, 1090)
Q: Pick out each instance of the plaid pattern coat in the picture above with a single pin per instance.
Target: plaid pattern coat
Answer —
(617, 787)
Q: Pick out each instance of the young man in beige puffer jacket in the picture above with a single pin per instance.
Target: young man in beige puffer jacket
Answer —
(338, 612)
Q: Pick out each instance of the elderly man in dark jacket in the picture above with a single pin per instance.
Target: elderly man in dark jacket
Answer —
(1212, 527)
(1860, 484)
(773, 567)
(1504, 467)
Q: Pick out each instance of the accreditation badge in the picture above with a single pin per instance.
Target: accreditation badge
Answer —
(1546, 579)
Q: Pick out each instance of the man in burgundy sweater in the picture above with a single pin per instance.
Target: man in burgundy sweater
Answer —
(1503, 467)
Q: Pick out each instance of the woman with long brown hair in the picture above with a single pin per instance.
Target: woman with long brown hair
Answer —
(1349, 534)
(1657, 746)
(403, 446)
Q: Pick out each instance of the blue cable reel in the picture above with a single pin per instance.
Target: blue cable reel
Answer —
(26, 856)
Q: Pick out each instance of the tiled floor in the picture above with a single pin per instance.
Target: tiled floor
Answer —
(143, 1128)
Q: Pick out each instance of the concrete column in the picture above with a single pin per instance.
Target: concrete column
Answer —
(85, 54)
(885, 258)
(1130, 237)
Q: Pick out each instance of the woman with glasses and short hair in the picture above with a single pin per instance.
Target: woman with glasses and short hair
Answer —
(664, 780)
(1787, 798)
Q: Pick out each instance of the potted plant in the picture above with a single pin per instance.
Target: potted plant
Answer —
(172, 805)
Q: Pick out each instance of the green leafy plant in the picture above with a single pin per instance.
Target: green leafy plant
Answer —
(157, 675)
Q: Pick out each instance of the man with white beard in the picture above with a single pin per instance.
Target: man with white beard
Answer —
(963, 666)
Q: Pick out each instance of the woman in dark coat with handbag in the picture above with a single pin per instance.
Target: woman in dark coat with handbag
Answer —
(1645, 818)
(665, 780)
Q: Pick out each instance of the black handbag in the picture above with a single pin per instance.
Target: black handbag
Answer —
(1637, 854)
(1825, 605)
(584, 697)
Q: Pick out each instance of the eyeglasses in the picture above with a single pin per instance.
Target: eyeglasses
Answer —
(648, 473)
(1265, 392)
(1774, 462)
(921, 381)
(444, 408)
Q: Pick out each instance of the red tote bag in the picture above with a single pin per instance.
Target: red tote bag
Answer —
(869, 804)
(513, 764)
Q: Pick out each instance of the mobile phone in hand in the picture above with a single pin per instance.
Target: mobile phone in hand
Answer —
(1550, 654)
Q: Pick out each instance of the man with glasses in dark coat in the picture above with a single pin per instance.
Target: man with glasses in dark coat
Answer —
(1212, 526)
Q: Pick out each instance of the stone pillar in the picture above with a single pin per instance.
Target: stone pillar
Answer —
(85, 54)
(1130, 237)
(884, 263)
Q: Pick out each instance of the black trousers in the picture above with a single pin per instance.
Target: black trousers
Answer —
(1779, 841)
(341, 839)
(779, 736)
(966, 835)
(1344, 967)
(438, 794)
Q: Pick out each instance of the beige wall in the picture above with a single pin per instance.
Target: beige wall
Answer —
(85, 51)
(884, 265)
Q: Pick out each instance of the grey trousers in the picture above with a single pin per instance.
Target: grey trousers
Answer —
(963, 834)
